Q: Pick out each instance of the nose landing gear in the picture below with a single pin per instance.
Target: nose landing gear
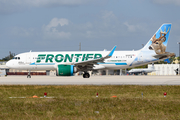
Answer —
(29, 74)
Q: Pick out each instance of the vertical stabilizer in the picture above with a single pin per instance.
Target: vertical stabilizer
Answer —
(159, 40)
(155, 49)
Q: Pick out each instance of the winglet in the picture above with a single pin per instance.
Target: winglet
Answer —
(112, 51)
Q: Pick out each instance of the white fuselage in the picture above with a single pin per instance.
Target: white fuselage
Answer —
(50, 60)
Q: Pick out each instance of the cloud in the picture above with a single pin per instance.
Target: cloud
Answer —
(22, 32)
(107, 26)
(55, 22)
(54, 31)
(133, 28)
(108, 15)
(55, 34)
(175, 2)
(38, 3)
(108, 18)
(62, 28)
(10, 6)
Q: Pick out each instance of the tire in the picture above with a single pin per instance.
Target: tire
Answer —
(28, 76)
(86, 75)
(83, 75)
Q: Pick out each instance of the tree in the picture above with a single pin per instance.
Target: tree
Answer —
(143, 66)
(172, 59)
(178, 59)
(9, 57)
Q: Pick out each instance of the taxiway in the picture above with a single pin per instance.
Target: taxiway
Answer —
(93, 80)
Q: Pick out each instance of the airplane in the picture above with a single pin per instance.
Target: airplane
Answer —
(68, 63)
(142, 70)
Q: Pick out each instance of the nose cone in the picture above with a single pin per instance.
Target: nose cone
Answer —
(9, 64)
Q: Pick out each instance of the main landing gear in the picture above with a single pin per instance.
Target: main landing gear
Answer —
(86, 75)
(29, 74)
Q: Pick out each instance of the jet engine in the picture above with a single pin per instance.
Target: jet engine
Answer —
(66, 70)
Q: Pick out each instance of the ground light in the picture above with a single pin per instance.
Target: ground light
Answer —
(165, 94)
(45, 94)
(97, 95)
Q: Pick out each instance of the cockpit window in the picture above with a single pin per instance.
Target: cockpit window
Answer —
(16, 58)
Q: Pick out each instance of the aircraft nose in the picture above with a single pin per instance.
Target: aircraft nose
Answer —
(9, 64)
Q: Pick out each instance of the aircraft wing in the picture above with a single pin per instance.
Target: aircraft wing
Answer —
(89, 64)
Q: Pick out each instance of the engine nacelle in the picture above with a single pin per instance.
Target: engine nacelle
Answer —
(66, 70)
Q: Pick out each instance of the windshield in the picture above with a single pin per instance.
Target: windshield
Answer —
(16, 58)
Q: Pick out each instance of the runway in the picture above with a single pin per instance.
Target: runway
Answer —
(93, 80)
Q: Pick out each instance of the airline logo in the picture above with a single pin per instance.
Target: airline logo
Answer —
(67, 57)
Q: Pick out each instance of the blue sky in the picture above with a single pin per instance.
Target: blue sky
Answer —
(60, 25)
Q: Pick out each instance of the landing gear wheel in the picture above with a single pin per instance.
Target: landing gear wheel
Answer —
(28, 76)
(86, 75)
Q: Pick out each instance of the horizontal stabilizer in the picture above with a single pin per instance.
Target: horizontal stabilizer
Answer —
(165, 55)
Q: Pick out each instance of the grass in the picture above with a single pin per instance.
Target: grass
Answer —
(80, 102)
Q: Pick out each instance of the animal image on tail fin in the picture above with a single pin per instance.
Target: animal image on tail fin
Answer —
(157, 43)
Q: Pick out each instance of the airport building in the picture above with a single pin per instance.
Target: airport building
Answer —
(164, 69)
(3, 68)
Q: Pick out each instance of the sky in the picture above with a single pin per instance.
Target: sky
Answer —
(60, 25)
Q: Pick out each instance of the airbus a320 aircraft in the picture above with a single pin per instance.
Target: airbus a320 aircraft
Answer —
(67, 63)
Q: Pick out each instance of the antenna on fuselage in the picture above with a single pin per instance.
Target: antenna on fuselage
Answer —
(79, 46)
